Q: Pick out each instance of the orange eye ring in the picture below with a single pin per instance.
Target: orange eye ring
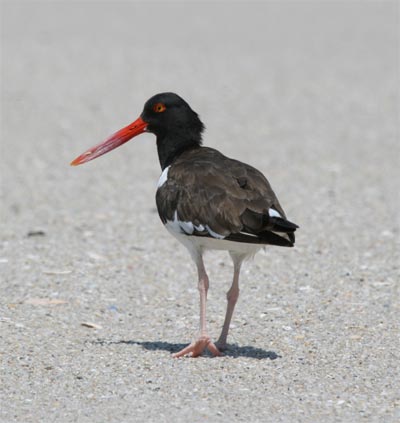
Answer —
(159, 108)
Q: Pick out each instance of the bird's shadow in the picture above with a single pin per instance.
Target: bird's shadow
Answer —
(233, 350)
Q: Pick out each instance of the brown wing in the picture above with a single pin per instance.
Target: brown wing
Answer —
(222, 197)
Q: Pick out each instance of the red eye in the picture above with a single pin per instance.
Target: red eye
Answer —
(159, 107)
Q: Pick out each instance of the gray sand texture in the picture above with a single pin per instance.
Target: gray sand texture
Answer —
(95, 294)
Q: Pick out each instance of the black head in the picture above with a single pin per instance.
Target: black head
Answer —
(175, 124)
(166, 115)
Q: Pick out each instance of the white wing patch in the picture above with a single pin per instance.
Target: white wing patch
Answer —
(163, 177)
(188, 228)
(214, 234)
(273, 213)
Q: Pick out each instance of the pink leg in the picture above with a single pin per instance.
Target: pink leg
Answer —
(232, 297)
(203, 341)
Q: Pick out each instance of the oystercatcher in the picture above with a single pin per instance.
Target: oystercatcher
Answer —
(205, 199)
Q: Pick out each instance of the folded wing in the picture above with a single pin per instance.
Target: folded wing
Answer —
(208, 194)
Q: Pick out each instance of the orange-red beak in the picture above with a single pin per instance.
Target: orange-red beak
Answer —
(115, 140)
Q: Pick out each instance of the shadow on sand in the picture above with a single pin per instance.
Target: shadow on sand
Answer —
(232, 350)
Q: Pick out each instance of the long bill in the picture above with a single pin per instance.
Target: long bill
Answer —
(115, 140)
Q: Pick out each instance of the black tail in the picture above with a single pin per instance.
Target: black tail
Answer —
(282, 225)
(280, 232)
(262, 228)
(264, 238)
(283, 228)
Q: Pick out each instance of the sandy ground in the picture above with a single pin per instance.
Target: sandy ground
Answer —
(306, 92)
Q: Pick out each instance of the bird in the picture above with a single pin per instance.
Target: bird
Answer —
(206, 200)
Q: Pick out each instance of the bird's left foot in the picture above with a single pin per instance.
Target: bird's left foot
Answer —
(197, 347)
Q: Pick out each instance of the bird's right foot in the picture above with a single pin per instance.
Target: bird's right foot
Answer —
(197, 347)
